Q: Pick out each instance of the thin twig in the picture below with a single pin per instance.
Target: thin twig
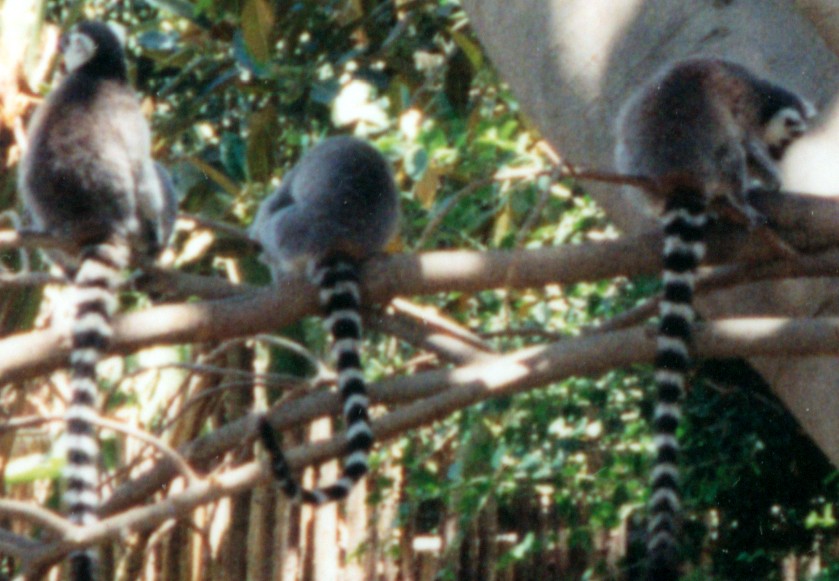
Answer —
(445, 346)
(29, 280)
(425, 328)
(143, 436)
(430, 316)
(36, 515)
(608, 177)
(629, 318)
(15, 424)
(536, 211)
(269, 378)
(10, 239)
(523, 332)
(180, 462)
(454, 200)
(297, 388)
(221, 227)
(295, 348)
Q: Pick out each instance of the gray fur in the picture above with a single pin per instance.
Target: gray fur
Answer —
(87, 178)
(336, 208)
(701, 123)
(88, 174)
(703, 131)
(340, 197)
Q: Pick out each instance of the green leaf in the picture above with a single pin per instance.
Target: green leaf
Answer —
(263, 128)
(257, 25)
(233, 151)
(34, 467)
(473, 50)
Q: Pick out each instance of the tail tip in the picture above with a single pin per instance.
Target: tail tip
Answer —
(266, 432)
(664, 564)
(82, 566)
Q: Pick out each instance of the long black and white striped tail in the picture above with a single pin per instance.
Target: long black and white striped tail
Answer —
(95, 302)
(684, 223)
(337, 278)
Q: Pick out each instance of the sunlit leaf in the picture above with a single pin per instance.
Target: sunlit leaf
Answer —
(416, 163)
(263, 129)
(215, 175)
(471, 48)
(158, 40)
(425, 190)
(257, 26)
(503, 224)
(233, 150)
(33, 467)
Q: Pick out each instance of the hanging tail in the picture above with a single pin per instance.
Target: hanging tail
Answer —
(337, 278)
(95, 301)
(684, 222)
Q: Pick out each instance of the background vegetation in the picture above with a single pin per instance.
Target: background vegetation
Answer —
(547, 484)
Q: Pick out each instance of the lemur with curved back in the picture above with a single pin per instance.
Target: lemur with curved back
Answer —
(87, 178)
(703, 130)
(337, 207)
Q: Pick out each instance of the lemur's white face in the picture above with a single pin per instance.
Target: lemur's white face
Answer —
(78, 48)
(787, 125)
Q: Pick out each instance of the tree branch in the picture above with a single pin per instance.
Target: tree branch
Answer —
(428, 330)
(589, 355)
(28, 354)
(448, 391)
(36, 515)
(15, 545)
(10, 239)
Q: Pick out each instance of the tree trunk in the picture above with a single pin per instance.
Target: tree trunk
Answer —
(572, 62)
(325, 547)
(357, 560)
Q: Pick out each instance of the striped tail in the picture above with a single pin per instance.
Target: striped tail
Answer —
(95, 301)
(684, 222)
(337, 278)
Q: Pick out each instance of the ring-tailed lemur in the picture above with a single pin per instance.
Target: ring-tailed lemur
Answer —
(702, 130)
(87, 178)
(335, 208)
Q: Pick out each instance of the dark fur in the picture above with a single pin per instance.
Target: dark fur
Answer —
(701, 130)
(87, 178)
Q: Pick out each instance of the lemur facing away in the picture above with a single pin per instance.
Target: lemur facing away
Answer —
(88, 179)
(703, 130)
(337, 207)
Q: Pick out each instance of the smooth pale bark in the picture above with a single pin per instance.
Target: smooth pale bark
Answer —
(572, 62)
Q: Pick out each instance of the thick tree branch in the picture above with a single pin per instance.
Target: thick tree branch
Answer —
(825, 264)
(811, 220)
